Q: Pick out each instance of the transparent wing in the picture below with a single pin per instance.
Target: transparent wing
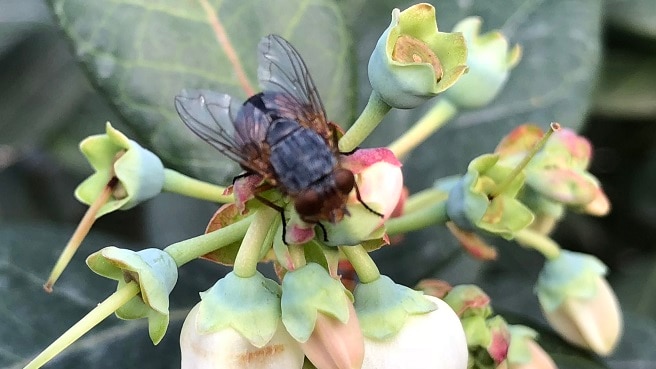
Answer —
(287, 85)
(238, 131)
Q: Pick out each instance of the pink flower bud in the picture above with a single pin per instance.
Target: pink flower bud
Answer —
(524, 352)
(433, 340)
(334, 345)
(594, 323)
(578, 302)
(227, 349)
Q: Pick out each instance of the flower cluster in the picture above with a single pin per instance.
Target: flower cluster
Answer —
(307, 224)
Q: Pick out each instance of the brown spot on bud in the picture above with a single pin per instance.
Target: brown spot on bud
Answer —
(262, 355)
(413, 50)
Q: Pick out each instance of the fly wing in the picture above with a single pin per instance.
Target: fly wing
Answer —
(236, 131)
(288, 87)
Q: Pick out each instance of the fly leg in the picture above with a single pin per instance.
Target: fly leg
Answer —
(357, 196)
(323, 229)
(280, 210)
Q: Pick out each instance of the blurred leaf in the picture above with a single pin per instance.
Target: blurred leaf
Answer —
(635, 286)
(42, 86)
(636, 349)
(18, 19)
(627, 87)
(636, 16)
(32, 319)
(142, 53)
(553, 82)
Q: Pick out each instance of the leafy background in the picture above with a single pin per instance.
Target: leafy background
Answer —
(68, 66)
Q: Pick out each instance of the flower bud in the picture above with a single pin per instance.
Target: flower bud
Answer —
(557, 176)
(228, 349)
(412, 61)
(489, 61)
(524, 352)
(140, 173)
(433, 340)
(379, 181)
(578, 302)
(335, 345)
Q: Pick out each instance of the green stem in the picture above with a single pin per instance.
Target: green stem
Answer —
(435, 118)
(423, 199)
(362, 263)
(368, 120)
(93, 318)
(185, 251)
(421, 218)
(249, 251)
(181, 184)
(537, 241)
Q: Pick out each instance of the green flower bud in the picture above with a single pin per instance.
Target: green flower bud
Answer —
(473, 204)
(156, 273)
(140, 173)
(489, 61)
(412, 61)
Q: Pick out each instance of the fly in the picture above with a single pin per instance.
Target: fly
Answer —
(281, 134)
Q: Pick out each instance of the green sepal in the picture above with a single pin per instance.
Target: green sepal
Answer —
(476, 331)
(308, 291)
(250, 306)
(570, 275)
(362, 225)
(407, 85)
(519, 352)
(156, 273)
(469, 300)
(140, 172)
(469, 205)
(383, 307)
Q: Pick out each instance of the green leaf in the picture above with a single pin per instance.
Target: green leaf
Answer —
(636, 349)
(142, 53)
(635, 16)
(626, 87)
(637, 297)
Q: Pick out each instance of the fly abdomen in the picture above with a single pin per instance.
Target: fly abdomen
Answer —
(299, 156)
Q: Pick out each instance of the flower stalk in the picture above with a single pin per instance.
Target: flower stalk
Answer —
(418, 219)
(371, 116)
(93, 318)
(438, 115)
(179, 183)
(537, 241)
(362, 263)
(249, 251)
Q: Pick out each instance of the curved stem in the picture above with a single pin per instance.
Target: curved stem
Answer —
(93, 318)
(181, 184)
(435, 118)
(423, 199)
(80, 233)
(185, 251)
(537, 241)
(362, 263)
(249, 251)
(368, 120)
(418, 219)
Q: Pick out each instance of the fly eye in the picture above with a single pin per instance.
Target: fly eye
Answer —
(344, 180)
(308, 203)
